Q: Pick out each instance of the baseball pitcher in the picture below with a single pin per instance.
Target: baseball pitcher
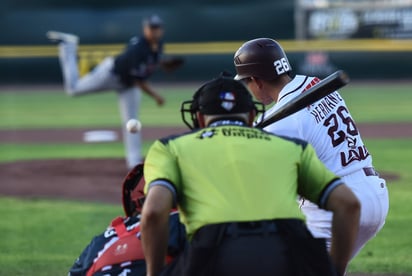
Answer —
(327, 125)
(126, 73)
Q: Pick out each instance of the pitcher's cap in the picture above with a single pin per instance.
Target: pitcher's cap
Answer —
(153, 21)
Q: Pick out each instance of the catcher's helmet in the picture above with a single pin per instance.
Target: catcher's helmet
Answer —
(262, 58)
(221, 96)
(133, 194)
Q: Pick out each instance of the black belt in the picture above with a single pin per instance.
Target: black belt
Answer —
(251, 228)
(370, 171)
(213, 233)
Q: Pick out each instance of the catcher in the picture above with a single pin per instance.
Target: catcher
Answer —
(118, 250)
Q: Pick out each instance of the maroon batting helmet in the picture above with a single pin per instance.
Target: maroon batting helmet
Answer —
(263, 58)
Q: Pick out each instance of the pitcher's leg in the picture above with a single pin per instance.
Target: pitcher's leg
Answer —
(68, 63)
(129, 102)
(100, 79)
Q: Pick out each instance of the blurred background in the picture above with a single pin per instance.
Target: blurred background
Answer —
(58, 190)
(368, 38)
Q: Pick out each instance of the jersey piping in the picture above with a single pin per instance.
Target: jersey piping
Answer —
(294, 90)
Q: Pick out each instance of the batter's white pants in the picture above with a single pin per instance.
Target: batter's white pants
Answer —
(373, 196)
(101, 79)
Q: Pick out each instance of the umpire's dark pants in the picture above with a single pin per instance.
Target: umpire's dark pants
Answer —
(276, 247)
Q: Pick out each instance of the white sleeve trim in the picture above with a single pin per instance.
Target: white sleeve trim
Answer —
(167, 185)
(329, 189)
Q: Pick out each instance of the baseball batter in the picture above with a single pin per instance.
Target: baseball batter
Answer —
(327, 125)
(126, 73)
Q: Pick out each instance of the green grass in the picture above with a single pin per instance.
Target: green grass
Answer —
(44, 237)
(391, 250)
(379, 103)
(13, 152)
(53, 109)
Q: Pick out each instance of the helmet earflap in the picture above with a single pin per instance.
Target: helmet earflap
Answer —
(191, 108)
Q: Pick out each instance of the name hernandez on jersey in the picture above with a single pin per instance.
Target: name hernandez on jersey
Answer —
(326, 124)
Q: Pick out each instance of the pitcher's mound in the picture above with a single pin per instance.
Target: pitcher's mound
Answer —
(79, 179)
(93, 180)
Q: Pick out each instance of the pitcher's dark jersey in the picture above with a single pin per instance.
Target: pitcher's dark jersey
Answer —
(137, 62)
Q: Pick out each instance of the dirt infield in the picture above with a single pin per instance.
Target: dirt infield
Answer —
(76, 135)
(44, 136)
(100, 179)
(96, 180)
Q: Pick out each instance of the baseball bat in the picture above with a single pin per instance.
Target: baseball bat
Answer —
(323, 88)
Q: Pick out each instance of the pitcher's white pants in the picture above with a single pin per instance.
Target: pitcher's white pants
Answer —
(100, 79)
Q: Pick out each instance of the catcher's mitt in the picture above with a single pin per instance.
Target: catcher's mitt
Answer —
(172, 63)
(132, 193)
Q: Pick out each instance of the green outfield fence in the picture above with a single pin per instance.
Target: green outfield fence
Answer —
(212, 48)
(211, 30)
(362, 58)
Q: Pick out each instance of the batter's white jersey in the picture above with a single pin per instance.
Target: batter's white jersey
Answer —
(327, 125)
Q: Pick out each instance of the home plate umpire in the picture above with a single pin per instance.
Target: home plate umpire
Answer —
(236, 188)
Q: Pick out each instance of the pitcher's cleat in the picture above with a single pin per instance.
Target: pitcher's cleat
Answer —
(62, 37)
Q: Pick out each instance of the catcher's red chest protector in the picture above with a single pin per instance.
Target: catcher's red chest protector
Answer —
(127, 247)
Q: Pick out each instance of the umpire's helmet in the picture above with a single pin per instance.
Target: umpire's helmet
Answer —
(221, 96)
(263, 58)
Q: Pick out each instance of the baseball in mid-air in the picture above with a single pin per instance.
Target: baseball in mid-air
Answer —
(133, 126)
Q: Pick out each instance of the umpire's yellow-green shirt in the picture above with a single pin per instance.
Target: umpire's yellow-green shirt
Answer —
(233, 173)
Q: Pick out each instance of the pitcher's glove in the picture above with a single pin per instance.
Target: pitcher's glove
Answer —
(172, 63)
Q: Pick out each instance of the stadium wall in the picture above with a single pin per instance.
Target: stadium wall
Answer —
(189, 24)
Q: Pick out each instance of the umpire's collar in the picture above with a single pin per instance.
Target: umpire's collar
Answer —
(227, 123)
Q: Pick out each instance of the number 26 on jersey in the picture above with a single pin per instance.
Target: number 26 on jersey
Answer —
(281, 65)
